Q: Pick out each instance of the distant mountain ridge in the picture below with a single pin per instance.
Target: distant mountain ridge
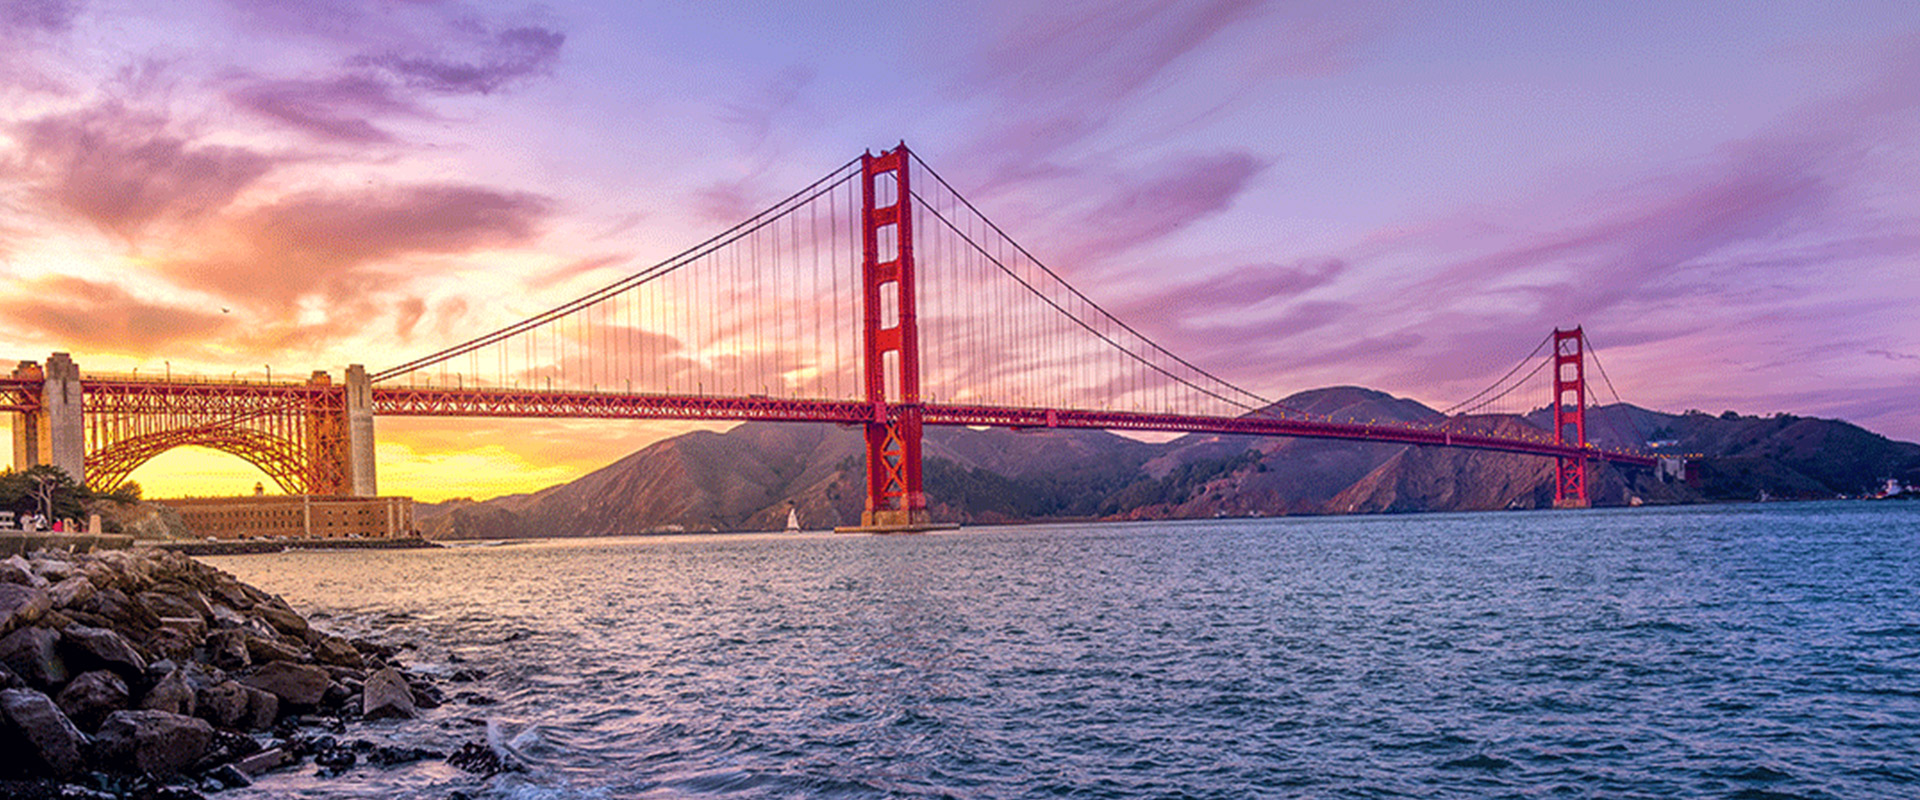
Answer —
(748, 477)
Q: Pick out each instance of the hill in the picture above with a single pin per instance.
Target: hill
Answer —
(748, 477)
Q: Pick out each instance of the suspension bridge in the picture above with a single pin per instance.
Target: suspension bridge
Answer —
(878, 296)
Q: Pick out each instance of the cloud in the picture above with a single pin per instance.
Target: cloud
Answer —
(334, 109)
(122, 170)
(38, 16)
(485, 66)
(1161, 204)
(1893, 356)
(78, 313)
(341, 245)
(754, 116)
(1059, 74)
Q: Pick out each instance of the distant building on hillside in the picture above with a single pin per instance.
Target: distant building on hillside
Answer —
(296, 516)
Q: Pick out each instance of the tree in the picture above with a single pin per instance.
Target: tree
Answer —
(42, 489)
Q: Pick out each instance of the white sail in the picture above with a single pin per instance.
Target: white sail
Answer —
(793, 519)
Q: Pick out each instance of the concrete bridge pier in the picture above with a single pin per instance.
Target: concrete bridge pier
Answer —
(57, 433)
(360, 478)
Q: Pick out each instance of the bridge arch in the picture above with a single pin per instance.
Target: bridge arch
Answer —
(282, 459)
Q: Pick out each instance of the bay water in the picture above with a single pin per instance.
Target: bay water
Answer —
(1751, 651)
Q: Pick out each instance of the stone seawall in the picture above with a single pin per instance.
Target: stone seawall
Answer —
(237, 547)
(16, 543)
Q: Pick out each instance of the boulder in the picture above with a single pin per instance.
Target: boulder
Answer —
(91, 696)
(194, 627)
(71, 592)
(88, 648)
(153, 741)
(53, 743)
(172, 694)
(16, 570)
(338, 652)
(53, 567)
(263, 709)
(22, 605)
(34, 655)
(232, 593)
(126, 614)
(387, 695)
(224, 704)
(171, 604)
(297, 685)
(282, 617)
(262, 650)
(227, 649)
(224, 617)
(171, 643)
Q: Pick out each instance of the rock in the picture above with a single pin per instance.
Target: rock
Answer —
(335, 761)
(169, 604)
(153, 741)
(389, 755)
(227, 649)
(283, 618)
(387, 696)
(372, 648)
(224, 704)
(172, 694)
(337, 652)
(172, 643)
(195, 628)
(348, 675)
(15, 571)
(232, 594)
(22, 605)
(263, 762)
(127, 615)
(34, 655)
(52, 740)
(88, 647)
(475, 699)
(91, 696)
(262, 650)
(53, 568)
(298, 685)
(263, 709)
(425, 694)
(8, 680)
(224, 617)
(71, 591)
(230, 777)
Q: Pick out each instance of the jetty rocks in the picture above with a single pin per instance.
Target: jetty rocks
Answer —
(147, 674)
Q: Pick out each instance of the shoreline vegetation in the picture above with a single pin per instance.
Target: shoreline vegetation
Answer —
(145, 674)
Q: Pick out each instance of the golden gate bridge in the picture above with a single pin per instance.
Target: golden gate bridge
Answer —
(878, 296)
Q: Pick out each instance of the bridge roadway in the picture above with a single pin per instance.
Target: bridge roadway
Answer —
(244, 398)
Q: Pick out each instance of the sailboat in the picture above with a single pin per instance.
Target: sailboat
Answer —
(793, 520)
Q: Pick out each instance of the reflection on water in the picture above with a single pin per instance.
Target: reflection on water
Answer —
(1757, 651)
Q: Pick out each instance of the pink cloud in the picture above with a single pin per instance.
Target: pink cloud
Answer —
(38, 16)
(334, 109)
(484, 66)
(122, 169)
(72, 312)
(341, 244)
(1175, 196)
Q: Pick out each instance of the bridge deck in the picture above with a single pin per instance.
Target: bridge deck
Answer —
(19, 395)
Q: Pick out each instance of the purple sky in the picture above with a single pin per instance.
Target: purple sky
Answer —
(1406, 197)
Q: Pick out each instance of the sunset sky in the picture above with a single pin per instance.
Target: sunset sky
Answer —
(1400, 196)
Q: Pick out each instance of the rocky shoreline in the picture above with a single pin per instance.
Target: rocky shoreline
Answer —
(145, 674)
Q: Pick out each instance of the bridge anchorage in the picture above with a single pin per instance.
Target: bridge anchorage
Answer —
(877, 297)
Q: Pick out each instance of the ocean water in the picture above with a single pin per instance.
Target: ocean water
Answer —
(1754, 651)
